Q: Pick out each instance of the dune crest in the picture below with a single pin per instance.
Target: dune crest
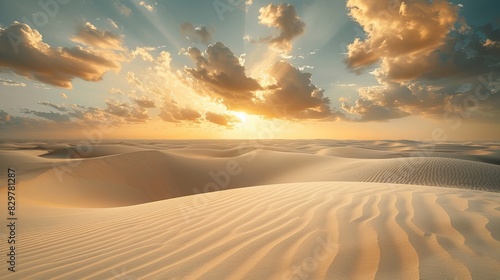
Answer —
(125, 179)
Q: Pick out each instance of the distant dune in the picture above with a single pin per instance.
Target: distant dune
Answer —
(255, 210)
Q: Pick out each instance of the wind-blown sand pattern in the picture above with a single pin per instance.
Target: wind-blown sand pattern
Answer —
(256, 210)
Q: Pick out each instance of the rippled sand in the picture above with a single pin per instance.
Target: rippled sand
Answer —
(280, 209)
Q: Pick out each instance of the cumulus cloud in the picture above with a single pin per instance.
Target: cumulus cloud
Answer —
(89, 35)
(420, 40)
(295, 94)
(284, 18)
(220, 69)
(424, 52)
(198, 34)
(393, 100)
(23, 51)
(219, 74)
(221, 119)
(408, 29)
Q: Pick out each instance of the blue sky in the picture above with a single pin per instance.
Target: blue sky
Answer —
(319, 69)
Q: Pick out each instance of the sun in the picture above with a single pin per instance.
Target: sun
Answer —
(242, 116)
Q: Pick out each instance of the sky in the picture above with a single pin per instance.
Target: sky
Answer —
(236, 69)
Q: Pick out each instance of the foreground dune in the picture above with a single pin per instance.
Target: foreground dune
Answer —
(264, 210)
(322, 230)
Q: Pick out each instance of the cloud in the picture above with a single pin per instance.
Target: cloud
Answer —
(424, 54)
(116, 91)
(145, 103)
(115, 113)
(404, 30)
(198, 34)
(370, 111)
(420, 40)
(147, 6)
(219, 74)
(221, 119)
(56, 117)
(89, 35)
(9, 121)
(133, 80)
(171, 111)
(71, 116)
(4, 117)
(284, 18)
(122, 9)
(344, 85)
(112, 23)
(392, 100)
(23, 51)
(294, 94)
(143, 52)
(220, 70)
(52, 105)
(11, 83)
(130, 113)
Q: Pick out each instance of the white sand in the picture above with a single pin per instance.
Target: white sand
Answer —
(285, 210)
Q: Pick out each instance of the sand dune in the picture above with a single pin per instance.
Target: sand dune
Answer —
(111, 180)
(255, 210)
(322, 230)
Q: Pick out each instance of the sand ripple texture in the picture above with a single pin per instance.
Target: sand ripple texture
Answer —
(313, 230)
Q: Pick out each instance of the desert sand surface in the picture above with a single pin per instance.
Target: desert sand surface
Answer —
(253, 209)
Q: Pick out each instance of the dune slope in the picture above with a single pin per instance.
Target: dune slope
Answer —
(145, 176)
(321, 230)
(283, 209)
